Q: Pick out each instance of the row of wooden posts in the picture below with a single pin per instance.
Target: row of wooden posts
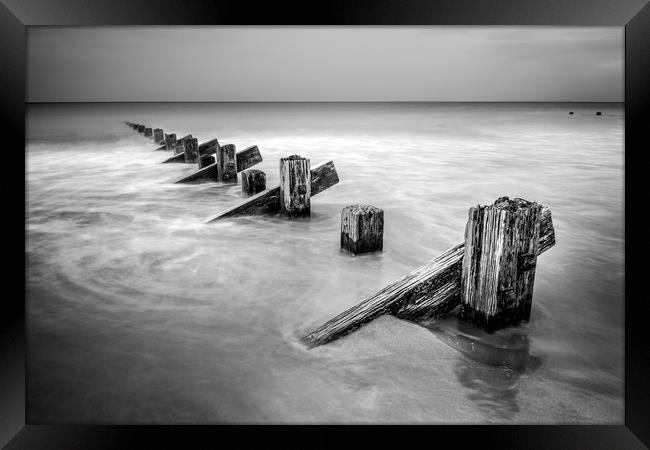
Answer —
(489, 276)
(298, 181)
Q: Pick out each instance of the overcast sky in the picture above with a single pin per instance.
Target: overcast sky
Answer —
(71, 64)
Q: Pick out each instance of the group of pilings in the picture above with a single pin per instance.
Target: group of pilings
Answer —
(215, 162)
(222, 163)
(490, 275)
(488, 278)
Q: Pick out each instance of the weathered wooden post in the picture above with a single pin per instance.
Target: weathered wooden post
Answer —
(253, 181)
(191, 150)
(170, 141)
(140, 128)
(226, 163)
(362, 229)
(295, 186)
(158, 136)
(147, 132)
(501, 246)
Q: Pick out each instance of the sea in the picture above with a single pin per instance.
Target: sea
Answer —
(139, 312)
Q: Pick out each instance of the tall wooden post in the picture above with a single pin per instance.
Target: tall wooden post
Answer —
(147, 132)
(170, 141)
(501, 245)
(158, 136)
(191, 150)
(253, 181)
(226, 163)
(362, 229)
(295, 186)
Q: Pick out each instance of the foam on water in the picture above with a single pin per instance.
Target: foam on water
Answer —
(138, 312)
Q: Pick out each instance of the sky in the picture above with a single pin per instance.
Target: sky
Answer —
(329, 63)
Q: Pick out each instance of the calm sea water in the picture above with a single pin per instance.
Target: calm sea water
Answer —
(138, 312)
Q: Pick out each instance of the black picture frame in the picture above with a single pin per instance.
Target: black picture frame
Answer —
(16, 15)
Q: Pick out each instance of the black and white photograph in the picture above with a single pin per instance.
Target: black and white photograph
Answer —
(325, 225)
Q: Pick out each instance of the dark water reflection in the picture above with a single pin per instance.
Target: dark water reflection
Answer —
(489, 365)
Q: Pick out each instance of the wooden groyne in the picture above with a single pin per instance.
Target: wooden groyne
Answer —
(489, 277)
(323, 176)
(244, 160)
(428, 292)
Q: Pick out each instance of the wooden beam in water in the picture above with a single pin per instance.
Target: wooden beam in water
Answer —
(177, 158)
(428, 292)
(209, 147)
(179, 142)
(245, 159)
(205, 161)
(207, 173)
(323, 176)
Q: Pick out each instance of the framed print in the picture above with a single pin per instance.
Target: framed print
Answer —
(467, 258)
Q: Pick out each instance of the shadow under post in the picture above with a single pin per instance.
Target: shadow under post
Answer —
(489, 365)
